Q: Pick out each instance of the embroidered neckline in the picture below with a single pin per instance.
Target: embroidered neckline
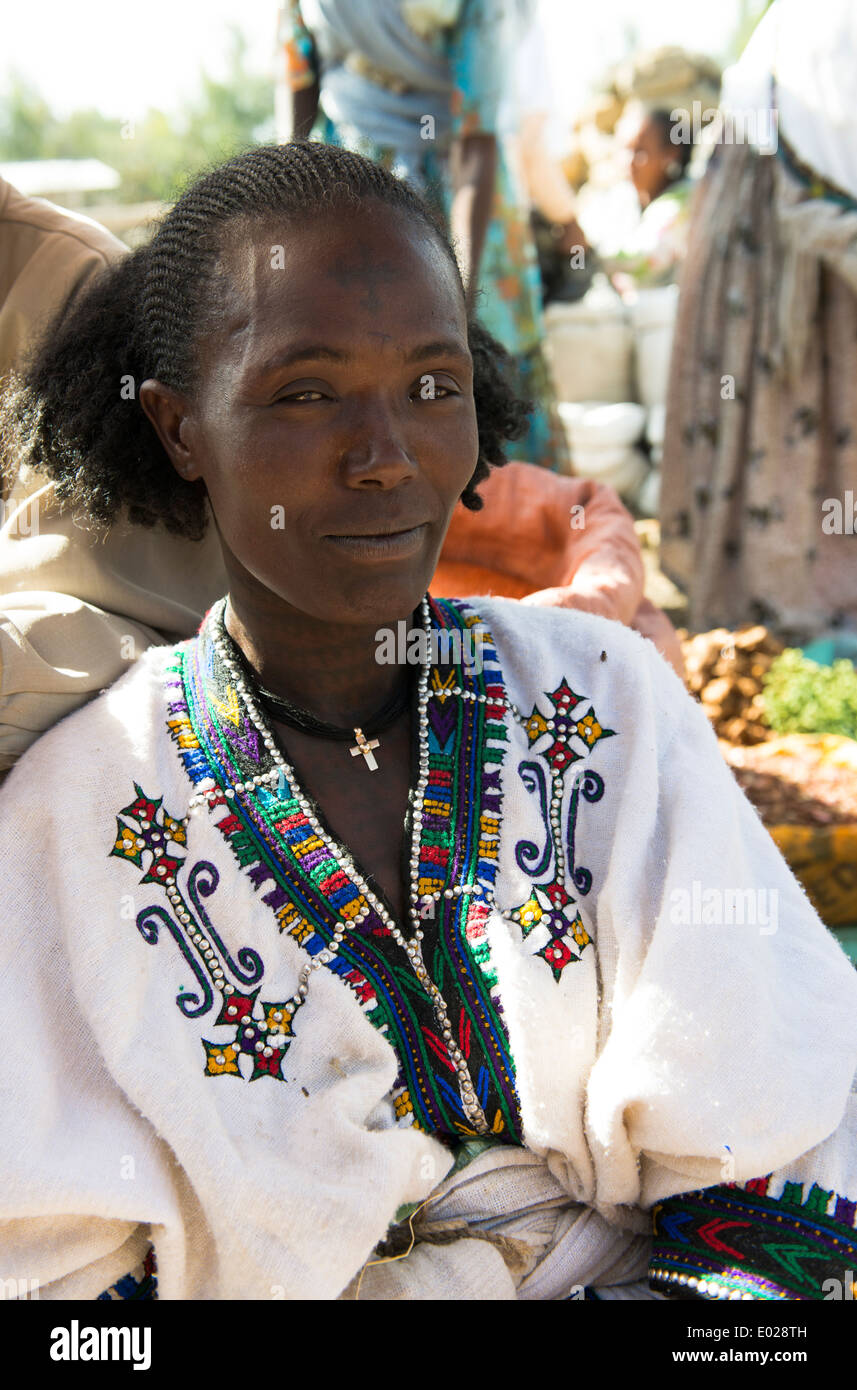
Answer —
(311, 891)
(437, 1003)
(322, 897)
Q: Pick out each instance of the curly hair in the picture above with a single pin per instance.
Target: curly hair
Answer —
(74, 414)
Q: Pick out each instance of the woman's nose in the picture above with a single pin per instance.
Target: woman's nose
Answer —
(378, 455)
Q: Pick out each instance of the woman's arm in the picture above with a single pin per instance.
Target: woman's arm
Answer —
(474, 167)
(301, 68)
(721, 1097)
(304, 110)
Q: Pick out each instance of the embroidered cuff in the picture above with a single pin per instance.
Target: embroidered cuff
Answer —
(141, 1283)
(739, 1242)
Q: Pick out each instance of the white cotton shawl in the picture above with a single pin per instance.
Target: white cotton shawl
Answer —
(664, 1050)
(815, 67)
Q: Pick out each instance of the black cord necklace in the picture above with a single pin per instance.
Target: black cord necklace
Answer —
(296, 718)
(281, 709)
(285, 712)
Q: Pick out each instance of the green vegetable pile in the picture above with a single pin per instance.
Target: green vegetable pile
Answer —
(802, 697)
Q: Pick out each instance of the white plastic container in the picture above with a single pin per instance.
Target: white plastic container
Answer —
(590, 347)
(590, 423)
(656, 426)
(655, 431)
(623, 469)
(653, 315)
(649, 494)
(601, 440)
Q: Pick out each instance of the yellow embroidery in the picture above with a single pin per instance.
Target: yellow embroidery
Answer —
(221, 1059)
(183, 730)
(442, 686)
(230, 709)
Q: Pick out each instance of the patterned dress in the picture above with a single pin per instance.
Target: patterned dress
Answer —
(752, 451)
(560, 1002)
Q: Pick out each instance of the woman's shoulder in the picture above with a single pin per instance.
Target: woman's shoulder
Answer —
(531, 640)
(612, 672)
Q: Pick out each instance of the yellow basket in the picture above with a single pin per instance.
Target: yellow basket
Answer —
(824, 859)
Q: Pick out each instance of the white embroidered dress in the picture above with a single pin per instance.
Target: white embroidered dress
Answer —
(650, 1008)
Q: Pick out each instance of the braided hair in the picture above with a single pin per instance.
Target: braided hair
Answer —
(74, 414)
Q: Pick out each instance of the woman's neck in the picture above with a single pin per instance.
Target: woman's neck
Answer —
(330, 669)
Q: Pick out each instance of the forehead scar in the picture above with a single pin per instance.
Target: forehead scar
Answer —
(368, 272)
(375, 333)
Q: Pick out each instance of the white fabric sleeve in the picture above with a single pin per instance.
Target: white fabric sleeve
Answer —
(84, 1175)
(729, 1016)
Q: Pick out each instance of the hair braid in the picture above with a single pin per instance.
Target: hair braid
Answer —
(145, 316)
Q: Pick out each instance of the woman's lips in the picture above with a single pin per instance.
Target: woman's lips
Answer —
(393, 545)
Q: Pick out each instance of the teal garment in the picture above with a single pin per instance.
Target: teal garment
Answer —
(508, 301)
(544, 440)
(509, 295)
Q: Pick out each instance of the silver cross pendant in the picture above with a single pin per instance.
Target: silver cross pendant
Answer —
(365, 748)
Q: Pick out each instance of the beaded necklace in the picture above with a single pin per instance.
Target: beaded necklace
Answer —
(419, 904)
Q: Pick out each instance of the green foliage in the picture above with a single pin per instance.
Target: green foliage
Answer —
(157, 154)
(802, 697)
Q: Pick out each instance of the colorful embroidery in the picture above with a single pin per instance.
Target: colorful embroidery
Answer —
(157, 844)
(737, 1241)
(549, 918)
(142, 1282)
(310, 892)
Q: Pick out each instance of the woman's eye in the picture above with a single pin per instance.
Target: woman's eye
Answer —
(305, 395)
(430, 389)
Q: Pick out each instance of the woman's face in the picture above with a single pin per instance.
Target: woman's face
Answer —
(652, 159)
(334, 424)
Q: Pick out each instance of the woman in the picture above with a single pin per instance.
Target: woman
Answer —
(669, 96)
(418, 86)
(652, 254)
(248, 1021)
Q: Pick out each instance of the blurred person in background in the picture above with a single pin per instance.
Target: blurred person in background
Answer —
(659, 162)
(532, 135)
(762, 413)
(420, 87)
(670, 95)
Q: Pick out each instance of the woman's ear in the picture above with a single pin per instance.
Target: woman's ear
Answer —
(169, 412)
